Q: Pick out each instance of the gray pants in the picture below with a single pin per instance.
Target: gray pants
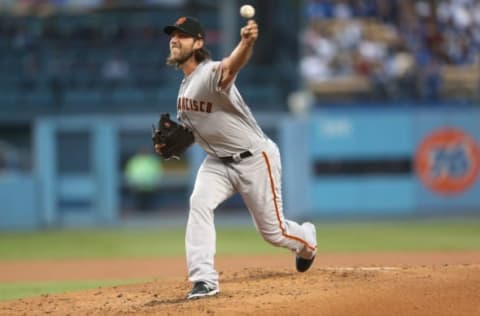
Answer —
(258, 180)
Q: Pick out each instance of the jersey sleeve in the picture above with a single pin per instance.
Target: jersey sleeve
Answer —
(216, 77)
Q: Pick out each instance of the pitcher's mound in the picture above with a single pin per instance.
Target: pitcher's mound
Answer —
(409, 290)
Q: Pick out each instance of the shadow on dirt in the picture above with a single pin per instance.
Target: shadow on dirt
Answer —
(249, 274)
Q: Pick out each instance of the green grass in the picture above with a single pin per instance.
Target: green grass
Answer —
(10, 291)
(91, 243)
(161, 242)
(401, 236)
(438, 235)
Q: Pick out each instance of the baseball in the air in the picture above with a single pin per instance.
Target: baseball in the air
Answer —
(247, 11)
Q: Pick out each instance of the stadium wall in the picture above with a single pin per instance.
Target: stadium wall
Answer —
(338, 162)
(382, 162)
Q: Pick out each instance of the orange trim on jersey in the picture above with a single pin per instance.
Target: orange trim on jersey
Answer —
(277, 211)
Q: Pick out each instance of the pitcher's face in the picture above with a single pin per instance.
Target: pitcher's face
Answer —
(182, 47)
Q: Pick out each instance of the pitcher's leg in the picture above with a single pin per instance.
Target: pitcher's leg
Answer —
(211, 188)
(263, 197)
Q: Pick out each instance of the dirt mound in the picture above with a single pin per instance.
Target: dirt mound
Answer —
(448, 289)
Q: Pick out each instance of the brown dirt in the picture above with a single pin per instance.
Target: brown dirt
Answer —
(338, 284)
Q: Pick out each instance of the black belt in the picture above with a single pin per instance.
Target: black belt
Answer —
(236, 158)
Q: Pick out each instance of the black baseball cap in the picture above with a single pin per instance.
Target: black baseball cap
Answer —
(188, 25)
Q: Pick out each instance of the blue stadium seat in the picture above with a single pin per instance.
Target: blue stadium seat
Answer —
(39, 97)
(262, 97)
(82, 97)
(167, 97)
(128, 96)
(8, 98)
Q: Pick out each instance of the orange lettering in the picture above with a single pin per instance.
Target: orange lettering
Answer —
(184, 104)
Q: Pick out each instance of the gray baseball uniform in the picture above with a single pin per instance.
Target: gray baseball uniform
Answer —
(224, 126)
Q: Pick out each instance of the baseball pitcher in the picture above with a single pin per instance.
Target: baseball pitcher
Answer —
(240, 157)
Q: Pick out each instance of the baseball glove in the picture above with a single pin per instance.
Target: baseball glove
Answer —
(173, 137)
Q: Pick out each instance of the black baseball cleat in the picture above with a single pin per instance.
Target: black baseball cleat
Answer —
(303, 264)
(200, 289)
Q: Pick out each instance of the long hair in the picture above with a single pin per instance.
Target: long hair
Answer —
(201, 55)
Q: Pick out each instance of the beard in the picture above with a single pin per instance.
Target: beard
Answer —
(180, 60)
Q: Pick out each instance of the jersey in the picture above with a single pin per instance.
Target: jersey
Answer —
(221, 121)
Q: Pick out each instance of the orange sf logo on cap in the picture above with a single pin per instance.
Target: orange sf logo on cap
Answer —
(181, 20)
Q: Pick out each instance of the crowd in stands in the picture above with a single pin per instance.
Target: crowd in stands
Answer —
(402, 47)
(91, 55)
(97, 58)
(385, 49)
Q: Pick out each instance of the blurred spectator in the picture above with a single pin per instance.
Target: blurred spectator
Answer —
(400, 46)
(430, 78)
(79, 4)
(22, 39)
(143, 174)
(116, 70)
(31, 70)
(55, 74)
(10, 158)
(319, 9)
(320, 49)
(399, 71)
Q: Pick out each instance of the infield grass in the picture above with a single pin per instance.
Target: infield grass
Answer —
(10, 291)
(424, 235)
(159, 242)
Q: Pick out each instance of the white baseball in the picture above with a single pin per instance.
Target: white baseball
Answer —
(247, 11)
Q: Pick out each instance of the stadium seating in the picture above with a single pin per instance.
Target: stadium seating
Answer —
(61, 61)
(390, 50)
